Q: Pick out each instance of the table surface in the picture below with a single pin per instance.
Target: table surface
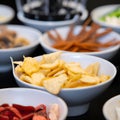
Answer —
(95, 109)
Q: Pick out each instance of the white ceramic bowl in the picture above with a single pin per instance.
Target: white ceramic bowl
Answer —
(6, 14)
(31, 34)
(32, 97)
(102, 10)
(110, 108)
(107, 53)
(78, 99)
(47, 25)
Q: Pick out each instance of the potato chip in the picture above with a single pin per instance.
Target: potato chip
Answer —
(74, 67)
(53, 72)
(59, 73)
(90, 79)
(50, 65)
(93, 68)
(30, 65)
(37, 78)
(26, 78)
(18, 70)
(54, 85)
(50, 58)
(103, 77)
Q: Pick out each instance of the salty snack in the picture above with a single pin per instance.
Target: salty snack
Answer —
(86, 40)
(53, 73)
(10, 39)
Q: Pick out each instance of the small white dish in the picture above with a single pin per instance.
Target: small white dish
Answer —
(31, 34)
(32, 97)
(98, 12)
(106, 53)
(47, 25)
(110, 106)
(6, 14)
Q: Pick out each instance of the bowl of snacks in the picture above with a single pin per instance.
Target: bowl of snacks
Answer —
(16, 41)
(77, 79)
(92, 40)
(30, 104)
(107, 16)
(111, 108)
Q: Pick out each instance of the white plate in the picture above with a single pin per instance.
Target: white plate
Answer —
(46, 25)
(6, 14)
(109, 108)
(102, 10)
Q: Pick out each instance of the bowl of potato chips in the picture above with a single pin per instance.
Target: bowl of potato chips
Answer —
(76, 78)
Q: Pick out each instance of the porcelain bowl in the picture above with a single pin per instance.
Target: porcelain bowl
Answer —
(100, 11)
(31, 34)
(111, 108)
(32, 97)
(106, 53)
(48, 25)
(79, 99)
(6, 14)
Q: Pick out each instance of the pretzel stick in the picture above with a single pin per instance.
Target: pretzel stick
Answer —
(70, 33)
(59, 38)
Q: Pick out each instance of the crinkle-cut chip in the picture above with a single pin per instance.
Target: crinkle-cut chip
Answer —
(54, 85)
(104, 78)
(90, 79)
(54, 71)
(18, 70)
(18, 62)
(93, 69)
(59, 73)
(49, 65)
(61, 63)
(50, 58)
(75, 68)
(75, 77)
(37, 78)
(26, 78)
(45, 71)
(30, 65)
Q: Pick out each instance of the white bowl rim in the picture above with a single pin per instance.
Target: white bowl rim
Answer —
(10, 9)
(107, 50)
(23, 47)
(72, 89)
(107, 102)
(100, 22)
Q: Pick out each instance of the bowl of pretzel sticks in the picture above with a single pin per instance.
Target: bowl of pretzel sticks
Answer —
(89, 38)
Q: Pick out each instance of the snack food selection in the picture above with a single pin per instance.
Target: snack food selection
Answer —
(53, 73)
(22, 112)
(10, 39)
(86, 40)
(112, 18)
